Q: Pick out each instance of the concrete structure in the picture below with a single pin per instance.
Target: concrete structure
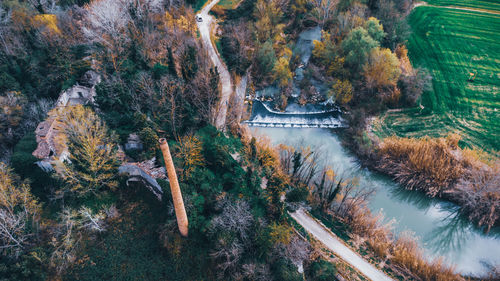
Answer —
(180, 211)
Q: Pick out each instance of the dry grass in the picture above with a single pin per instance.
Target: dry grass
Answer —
(427, 164)
(409, 257)
(439, 167)
(405, 256)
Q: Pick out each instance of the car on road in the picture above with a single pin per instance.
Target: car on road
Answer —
(199, 18)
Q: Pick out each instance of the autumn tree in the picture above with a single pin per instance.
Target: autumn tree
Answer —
(106, 24)
(342, 91)
(190, 153)
(19, 213)
(282, 73)
(413, 81)
(268, 15)
(382, 69)
(92, 153)
(325, 50)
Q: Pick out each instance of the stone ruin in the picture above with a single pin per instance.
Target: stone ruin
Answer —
(49, 134)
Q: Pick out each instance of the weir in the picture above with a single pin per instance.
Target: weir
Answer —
(263, 116)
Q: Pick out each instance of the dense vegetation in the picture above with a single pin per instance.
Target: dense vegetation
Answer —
(84, 221)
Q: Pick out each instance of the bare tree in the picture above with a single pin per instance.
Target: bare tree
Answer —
(257, 272)
(106, 24)
(479, 196)
(67, 236)
(228, 255)
(323, 10)
(235, 217)
(297, 250)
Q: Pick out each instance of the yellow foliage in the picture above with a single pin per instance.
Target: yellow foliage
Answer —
(433, 158)
(405, 64)
(282, 72)
(15, 195)
(343, 91)
(407, 253)
(181, 22)
(189, 152)
(382, 69)
(94, 161)
(281, 233)
(47, 20)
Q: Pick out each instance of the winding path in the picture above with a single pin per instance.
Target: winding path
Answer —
(338, 247)
(204, 26)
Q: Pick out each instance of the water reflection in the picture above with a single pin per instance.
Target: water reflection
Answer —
(451, 233)
(442, 230)
(415, 198)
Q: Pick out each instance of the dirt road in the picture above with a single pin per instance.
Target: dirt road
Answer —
(204, 26)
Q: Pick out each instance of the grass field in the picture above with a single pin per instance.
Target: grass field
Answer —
(452, 44)
(491, 5)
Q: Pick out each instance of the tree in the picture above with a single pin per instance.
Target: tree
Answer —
(395, 22)
(282, 73)
(343, 91)
(149, 139)
(413, 85)
(69, 233)
(106, 24)
(93, 159)
(375, 29)
(382, 69)
(325, 50)
(19, 211)
(268, 15)
(323, 10)
(231, 230)
(266, 58)
(189, 152)
(11, 114)
(189, 64)
(357, 47)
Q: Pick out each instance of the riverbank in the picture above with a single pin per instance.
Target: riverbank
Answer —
(437, 167)
(435, 222)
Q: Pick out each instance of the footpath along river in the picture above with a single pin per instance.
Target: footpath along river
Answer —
(440, 231)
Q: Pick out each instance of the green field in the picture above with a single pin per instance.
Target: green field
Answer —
(491, 5)
(451, 44)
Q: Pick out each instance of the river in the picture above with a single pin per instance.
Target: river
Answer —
(434, 222)
(440, 231)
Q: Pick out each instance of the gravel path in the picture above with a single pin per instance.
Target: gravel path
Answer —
(326, 237)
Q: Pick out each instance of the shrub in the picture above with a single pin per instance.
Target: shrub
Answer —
(321, 270)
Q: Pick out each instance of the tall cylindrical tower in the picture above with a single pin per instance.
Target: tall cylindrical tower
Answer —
(180, 211)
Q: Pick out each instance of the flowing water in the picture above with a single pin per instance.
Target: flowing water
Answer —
(441, 232)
